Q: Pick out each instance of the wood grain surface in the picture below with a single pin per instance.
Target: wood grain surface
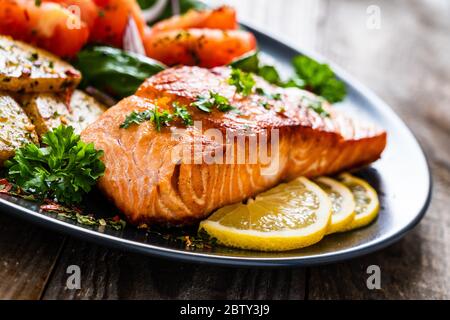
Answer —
(406, 62)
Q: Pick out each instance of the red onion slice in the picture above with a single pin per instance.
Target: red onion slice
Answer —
(132, 40)
(155, 11)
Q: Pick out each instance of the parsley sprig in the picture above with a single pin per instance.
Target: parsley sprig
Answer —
(159, 118)
(271, 96)
(319, 78)
(182, 113)
(316, 104)
(203, 103)
(63, 169)
(243, 81)
(207, 103)
(310, 75)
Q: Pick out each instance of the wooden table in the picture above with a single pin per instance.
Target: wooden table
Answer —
(406, 62)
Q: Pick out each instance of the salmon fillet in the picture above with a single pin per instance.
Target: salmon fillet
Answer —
(180, 174)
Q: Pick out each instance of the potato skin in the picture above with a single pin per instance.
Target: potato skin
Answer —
(16, 130)
(24, 68)
(47, 110)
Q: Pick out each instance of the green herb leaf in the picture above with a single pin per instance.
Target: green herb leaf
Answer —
(136, 118)
(64, 169)
(310, 75)
(225, 108)
(265, 105)
(260, 91)
(270, 74)
(316, 105)
(34, 57)
(205, 103)
(222, 104)
(114, 71)
(182, 113)
(272, 96)
(275, 96)
(295, 82)
(76, 215)
(160, 118)
(243, 81)
(319, 78)
(249, 62)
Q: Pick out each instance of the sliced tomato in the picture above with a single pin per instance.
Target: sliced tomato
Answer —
(203, 47)
(87, 9)
(221, 18)
(48, 26)
(112, 20)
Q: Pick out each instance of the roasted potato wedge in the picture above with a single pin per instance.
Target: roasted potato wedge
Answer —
(48, 110)
(24, 68)
(16, 129)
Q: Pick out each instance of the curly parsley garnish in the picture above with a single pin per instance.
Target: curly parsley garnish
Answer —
(203, 103)
(164, 118)
(243, 81)
(318, 107)
(310, 75)
(270, 74)
(207, 103)
(222, 104)
(265, 105)
(159, 118)
(63, 169)
(182, 113)
(272, 96)
(319, 78)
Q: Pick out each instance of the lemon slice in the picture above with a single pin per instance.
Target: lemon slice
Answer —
(342, 203)
(290, 216)
(366, 199)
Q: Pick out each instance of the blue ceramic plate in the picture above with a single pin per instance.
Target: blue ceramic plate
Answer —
(401, 177)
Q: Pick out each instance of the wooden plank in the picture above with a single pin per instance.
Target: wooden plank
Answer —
(27, 257)
(111, 274)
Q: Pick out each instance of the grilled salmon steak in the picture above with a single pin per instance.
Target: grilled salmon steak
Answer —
(179, 174)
